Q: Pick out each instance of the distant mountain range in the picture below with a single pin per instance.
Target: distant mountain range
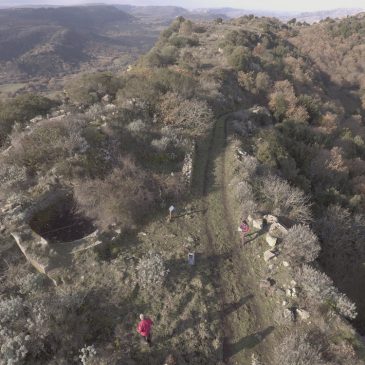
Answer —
(168, 12)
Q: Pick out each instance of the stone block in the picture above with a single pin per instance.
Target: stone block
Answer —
(272, 241)
(269, 255)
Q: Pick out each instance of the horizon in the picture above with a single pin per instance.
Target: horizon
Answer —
(280, 6)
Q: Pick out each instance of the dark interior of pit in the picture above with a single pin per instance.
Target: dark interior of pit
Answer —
(61, 222)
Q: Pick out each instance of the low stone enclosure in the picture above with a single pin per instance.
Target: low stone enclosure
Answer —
(50, 232)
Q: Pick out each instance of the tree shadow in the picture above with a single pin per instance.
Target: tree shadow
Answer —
(247, 342)
(232, 307)
(254, 235)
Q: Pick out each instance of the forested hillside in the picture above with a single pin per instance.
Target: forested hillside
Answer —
(246, 121)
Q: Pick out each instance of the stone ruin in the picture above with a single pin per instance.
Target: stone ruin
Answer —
(49, 232)
(187, 169)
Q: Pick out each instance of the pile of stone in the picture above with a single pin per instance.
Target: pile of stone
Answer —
(187, 169)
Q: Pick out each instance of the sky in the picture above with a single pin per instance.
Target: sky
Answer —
(272, 5)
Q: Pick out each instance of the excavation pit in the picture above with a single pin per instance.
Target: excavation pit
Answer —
(61, 222)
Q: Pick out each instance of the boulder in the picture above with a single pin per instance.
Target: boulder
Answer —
(272, 241)
(269, 255)
(258, 223)
(286, 264)
(303, 314)
(106, 99)
(271, 218)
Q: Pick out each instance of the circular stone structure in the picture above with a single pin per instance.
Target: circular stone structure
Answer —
(61, 222)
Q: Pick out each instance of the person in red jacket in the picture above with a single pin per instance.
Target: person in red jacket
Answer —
(144, 328)
(244, 228)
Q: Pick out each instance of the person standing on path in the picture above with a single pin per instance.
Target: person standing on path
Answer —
(144, 328)
(244, 228)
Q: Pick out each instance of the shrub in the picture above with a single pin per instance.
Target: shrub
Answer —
(161, 144)
(31, 283)
(87, 353)
(11, 310)
(283, 199)
(21, 109)
(136, 127)
(14, 349)
(301, 245)
(317, 285)
(48, 143)
(182, 41)
(345, 306)
(191, 116)
(244, 194)
(262, 82)
(240, 58)
(297, 349)
(248, 167)
(88, 89)
(151, 271)
(123, 197)
(319, 288)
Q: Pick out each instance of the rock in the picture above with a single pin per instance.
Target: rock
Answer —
(287, 313)
(271, 240)
(293, 282)
(286, 263)
(270, 218)
(284, 303)
(258, 223)
(106, 98)
(303, 314)
(278, 230)
(288, 292)
(118, 231)
(268, 255)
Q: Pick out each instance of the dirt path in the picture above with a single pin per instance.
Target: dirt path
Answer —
(235, 281)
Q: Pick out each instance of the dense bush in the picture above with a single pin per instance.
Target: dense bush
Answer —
(123, 197)
(298, 349)
(90, 88)
(190, 116)
(151, 271)
(319, 288)
(283, 199)
(301, 245)
(21, 109)
(240, 58)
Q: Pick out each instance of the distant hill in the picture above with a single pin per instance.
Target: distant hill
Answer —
(311, 17)
(54, 41)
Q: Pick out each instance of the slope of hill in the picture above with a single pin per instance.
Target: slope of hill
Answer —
(49, 42)
(234, 126)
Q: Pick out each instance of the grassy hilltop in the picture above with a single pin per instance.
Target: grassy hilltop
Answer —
(223, 120)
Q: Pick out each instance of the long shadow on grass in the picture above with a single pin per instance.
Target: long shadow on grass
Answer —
(179, 269)
(191, 322)
(248, 342)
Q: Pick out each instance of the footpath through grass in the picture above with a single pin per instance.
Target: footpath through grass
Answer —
(244, 314)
